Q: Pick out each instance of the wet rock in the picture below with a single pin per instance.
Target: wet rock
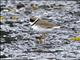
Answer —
(78, 2)
(10, 23)
(1, 23)
(2, 7)
(47, 46)
(44, 6)
(20, 5)
(7, 40)
(3, 56)
(77, 13)
(27, 12)
(3, 33)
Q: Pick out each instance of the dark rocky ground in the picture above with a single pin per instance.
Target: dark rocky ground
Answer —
(18, 40)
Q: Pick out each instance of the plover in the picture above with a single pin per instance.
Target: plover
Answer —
(42, 26)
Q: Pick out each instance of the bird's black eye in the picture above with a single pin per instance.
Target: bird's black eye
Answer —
(32, 20)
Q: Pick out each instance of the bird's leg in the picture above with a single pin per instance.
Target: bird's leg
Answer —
(44, 35)
(41, 39)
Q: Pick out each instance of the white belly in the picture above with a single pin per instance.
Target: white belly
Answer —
(39, 29)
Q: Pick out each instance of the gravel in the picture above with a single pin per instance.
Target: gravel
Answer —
(19, 40)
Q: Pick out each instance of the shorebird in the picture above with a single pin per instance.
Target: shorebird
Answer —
(42, 26)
